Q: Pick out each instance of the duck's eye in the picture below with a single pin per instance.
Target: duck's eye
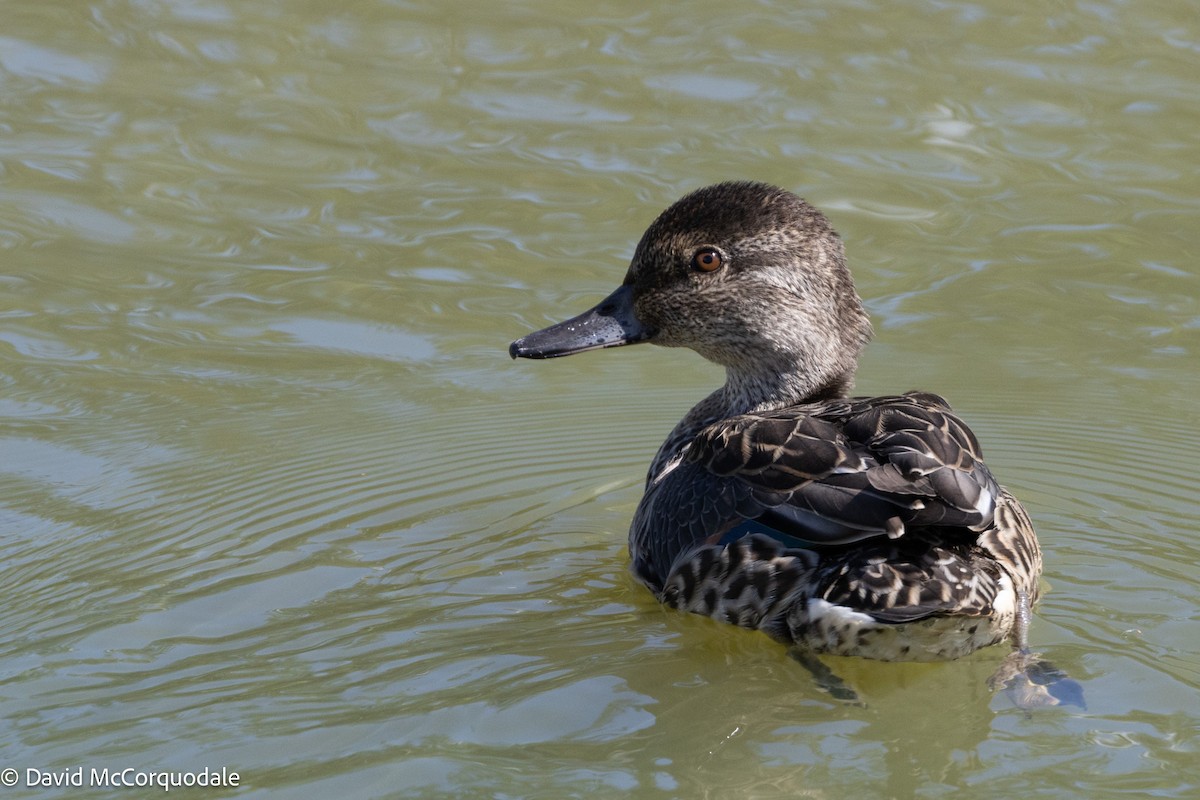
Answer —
(707, 259)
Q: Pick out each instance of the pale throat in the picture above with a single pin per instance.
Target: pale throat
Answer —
(787, 379)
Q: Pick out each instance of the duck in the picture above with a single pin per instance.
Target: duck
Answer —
(835, 524)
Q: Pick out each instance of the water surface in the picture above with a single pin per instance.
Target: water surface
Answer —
(274, 499)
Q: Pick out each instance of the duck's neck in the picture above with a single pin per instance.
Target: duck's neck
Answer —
(745, 393)
(776, 387)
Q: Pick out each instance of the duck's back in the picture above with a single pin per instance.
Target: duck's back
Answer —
(866, 526)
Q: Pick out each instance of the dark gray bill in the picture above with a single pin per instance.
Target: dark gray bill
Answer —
(612, 323)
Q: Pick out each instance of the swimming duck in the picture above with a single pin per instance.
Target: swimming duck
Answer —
(858, 526)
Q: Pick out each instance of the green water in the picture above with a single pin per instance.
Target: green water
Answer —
(274, 499)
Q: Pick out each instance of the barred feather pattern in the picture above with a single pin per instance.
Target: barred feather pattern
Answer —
(938, 583)
(926, 600)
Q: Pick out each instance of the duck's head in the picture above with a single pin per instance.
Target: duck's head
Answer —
(749, 276)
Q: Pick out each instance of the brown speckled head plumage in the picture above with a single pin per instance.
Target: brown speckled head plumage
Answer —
(783, 304)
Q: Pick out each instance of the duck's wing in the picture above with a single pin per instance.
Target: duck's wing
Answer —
(924, 449)
(839, 472)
